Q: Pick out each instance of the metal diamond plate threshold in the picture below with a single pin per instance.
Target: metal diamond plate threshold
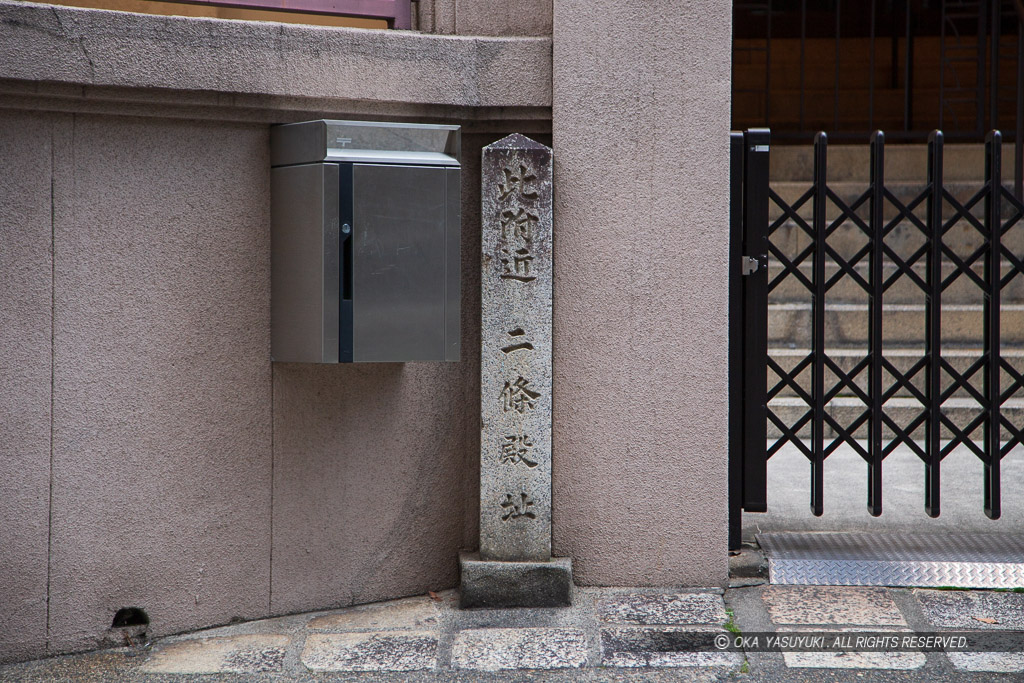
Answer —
(887, 559)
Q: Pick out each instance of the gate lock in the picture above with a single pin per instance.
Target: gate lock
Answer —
(749, 265)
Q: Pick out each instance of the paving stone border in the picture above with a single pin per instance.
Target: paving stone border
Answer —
(371, 651)
(838, 605)
(972, 610)
(625, 634)
(501, 649)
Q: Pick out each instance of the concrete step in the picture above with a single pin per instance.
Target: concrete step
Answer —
(902, 359)
(902, 291)
(845, 410)
(903, 325)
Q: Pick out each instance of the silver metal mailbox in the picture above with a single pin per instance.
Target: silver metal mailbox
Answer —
(365, 221)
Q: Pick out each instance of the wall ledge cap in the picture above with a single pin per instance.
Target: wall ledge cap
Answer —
(100, 48)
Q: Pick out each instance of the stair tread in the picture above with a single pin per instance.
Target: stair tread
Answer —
(912, 353)
(796, 306)
(894, 402)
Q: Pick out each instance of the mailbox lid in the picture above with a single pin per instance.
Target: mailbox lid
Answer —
(365, 141)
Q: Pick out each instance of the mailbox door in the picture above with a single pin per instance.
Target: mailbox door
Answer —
(399, 245)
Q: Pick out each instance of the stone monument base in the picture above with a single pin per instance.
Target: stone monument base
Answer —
(490, 583)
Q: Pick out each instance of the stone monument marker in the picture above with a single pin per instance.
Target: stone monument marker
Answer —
(514, 567)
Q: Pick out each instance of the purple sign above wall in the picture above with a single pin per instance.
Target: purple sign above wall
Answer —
(398, 13)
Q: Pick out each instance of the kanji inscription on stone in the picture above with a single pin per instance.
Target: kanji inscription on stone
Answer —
(515, 363)
(516, 450)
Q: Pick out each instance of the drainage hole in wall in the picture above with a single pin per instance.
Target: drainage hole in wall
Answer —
(130, 616)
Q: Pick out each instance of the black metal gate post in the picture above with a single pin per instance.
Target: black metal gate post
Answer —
(818, 326)
(755, 319)
(735, 340)
(990, 315)
(748, 327)
(933, 325)
(875, 278)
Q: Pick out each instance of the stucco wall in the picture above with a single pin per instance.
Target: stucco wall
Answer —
(640, 123)
(190, 476)
(161, 424)
(152, 455)
(374, 463)
(485, 17)
(25, 380)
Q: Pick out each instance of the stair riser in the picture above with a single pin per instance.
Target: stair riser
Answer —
(846, 415)
(903, 327)
(902, 363)
(904, 291)
(904, 240)
(903, 163)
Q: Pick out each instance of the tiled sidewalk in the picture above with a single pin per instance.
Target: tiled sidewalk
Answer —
(608, 628)
(608, 634)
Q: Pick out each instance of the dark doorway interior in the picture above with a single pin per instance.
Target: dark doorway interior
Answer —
(903, 66)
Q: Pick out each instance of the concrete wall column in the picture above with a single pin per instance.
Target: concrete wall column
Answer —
(641, 106)
(26, 280)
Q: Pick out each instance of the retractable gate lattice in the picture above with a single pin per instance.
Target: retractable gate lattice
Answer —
(881, 243)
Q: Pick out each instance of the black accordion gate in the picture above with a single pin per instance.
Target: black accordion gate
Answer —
(943, 243)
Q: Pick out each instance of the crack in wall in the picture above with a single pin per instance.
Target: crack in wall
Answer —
(53, 307)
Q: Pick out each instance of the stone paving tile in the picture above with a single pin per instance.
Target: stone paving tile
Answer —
(244, 654)
(630, 647)
(964, 609)
(649, 609)
(371, 651)
(853, 660)
(417, 614)
(995, 662)
(498, 649)
(832, 605)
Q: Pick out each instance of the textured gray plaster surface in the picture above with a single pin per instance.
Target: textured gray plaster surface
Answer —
(162, 401)
(501, 18)
(363, 513)
(640, 122)
(515, 351)
(25, 376)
